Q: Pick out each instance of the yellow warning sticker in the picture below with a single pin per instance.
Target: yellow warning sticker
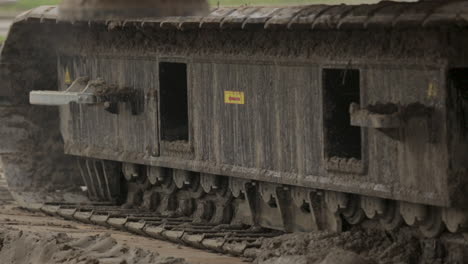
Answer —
(68, 79)
(432, 90)
(231, 97)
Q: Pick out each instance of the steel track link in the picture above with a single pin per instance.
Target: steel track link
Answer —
(230, 239)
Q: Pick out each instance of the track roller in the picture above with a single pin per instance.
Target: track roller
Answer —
(432, 226)
(238, 186)
(155, 174)
(353, 214)
(182, 178)
(209, 182)
(455, 220)
(130, 171)
(413, 214)
(346, 205)
(372, 207)
(391, 219)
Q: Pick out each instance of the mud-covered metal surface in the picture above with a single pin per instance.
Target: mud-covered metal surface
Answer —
(387, 14)
(261, 94)
(272, 137)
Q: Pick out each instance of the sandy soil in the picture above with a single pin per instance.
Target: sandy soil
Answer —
(20, 247)
(357, 246)
(18, 228)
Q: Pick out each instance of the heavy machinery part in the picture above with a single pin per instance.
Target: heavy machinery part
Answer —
(236, 240)
(131, 171)
(227, 239)
(183, 178)
(88, 92)
(99, 179)
(413, 214)
(455, 220)
(373, 207)
(125, 9)
(221, 18)
(209, 182)
(391, 219)
(156, 174)
(238, 187)
(433, 225)
(78, 92)
(140, 52)
(353, 213)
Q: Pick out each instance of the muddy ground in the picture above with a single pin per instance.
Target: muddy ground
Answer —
(358, 246)
(57, 241)
(29, 247)
(53, 241)
(36, 238)
(27, 237)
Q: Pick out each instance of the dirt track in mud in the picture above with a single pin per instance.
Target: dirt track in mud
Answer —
(61, 241)
(26, 237)
(46, 230)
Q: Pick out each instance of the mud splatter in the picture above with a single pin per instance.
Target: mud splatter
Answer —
(355, 246)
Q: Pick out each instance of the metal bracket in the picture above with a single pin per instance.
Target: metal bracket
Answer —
(391, 119)
(366, 118)
(79, 92)
(86, 92)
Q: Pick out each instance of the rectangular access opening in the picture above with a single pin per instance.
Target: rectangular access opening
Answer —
(173, 101)
(341, 88)
(458, 78)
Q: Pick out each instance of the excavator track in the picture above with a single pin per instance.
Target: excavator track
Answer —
(238, 240)
(206, 169)
(233, 239)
